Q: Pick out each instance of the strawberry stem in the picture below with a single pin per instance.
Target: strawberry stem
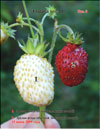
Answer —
(13, 25)
(24, 5)
(25, 24)
(67, 28)
(40, 27)
(43, 18)
(57, 28)
(42, 113)
(53, 41)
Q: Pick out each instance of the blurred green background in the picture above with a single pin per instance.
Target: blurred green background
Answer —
(83, 99)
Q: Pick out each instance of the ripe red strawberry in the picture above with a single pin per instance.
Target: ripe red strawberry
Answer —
(72, 64)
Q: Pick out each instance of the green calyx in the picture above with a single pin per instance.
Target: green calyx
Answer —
(19, 19)
(76, 39)
(33, 46)
(8, 31)
(51, 11)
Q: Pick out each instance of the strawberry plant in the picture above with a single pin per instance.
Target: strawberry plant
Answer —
(33, 73)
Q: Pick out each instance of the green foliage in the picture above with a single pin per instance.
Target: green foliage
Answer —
(51, 12)
(8, 31)
(78, 40)
(84, 99)
(5, 15)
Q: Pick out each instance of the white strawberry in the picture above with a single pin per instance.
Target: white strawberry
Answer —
(34, 76)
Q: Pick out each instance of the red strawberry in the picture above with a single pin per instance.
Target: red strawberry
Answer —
(72, 64)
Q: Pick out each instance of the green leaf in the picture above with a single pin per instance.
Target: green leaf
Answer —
(30, 46)
(8, 31)
(19, 19)
(46, 45)
(36, 39)
(39, 49)
(45, 53)
(78, 40)
(22, 47)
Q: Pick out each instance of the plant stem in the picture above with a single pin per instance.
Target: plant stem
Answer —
(25, 24)
(42, 113)
(67, 28)
(24, 5)
(56, 30)
(13, 25)
(31, 19)
(53, 42)
(52, 45)
(40, 27)
(43, 18)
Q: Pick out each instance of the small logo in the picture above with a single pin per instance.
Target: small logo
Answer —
(82, 11)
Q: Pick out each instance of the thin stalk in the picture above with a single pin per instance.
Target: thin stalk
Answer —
(39, 27)
(67, 28)
(42, 113)
(24, 5)
(25, 24)
(52, 45)
(53, 42)
(31, 19)
(44, 17)
(13, 25)
(56, 30)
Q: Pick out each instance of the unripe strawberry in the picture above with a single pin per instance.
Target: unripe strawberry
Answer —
(34, 78)
(5, 32)
(72, 64)
(3, 36)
